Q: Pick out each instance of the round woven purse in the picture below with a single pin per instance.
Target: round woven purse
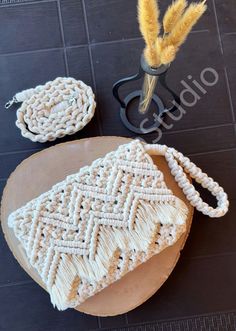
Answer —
(58, 108)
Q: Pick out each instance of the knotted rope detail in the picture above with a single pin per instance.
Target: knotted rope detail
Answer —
(98, 224)
(58, 108)
(181, 165)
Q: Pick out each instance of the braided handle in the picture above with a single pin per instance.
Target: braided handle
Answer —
(181, 165)
(58, 108)
(26, 94)
(22, 96)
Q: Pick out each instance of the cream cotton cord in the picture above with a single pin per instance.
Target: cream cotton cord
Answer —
(89, 230)
(58, 108)
(181, 165)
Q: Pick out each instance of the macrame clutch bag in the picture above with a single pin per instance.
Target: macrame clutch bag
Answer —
(58, 108)
(102, 222)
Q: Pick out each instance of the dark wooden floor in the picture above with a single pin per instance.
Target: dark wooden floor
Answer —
(98, 41)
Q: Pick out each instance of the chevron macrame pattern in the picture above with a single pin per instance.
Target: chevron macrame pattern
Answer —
(98, 224)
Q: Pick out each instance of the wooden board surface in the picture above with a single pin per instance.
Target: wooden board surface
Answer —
(39, 172)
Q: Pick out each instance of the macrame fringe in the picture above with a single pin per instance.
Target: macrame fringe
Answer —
(64, 289)
(151, 218)
(97, 225)
(165, 213)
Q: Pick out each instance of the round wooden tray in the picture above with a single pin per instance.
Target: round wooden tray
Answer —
(39, 172)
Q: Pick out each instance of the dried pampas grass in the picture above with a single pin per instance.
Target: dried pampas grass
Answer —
(182, 28)
(177, 23)
(151, 56)
(148, 14)
(168, 54)
(173, 14)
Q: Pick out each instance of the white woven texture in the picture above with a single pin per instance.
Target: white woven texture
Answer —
(58, 108)
(102, 222)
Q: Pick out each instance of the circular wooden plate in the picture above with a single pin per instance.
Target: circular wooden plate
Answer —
(39, 172)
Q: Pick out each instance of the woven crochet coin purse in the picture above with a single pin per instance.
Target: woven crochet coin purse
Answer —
(102, 222)
(58, 108)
